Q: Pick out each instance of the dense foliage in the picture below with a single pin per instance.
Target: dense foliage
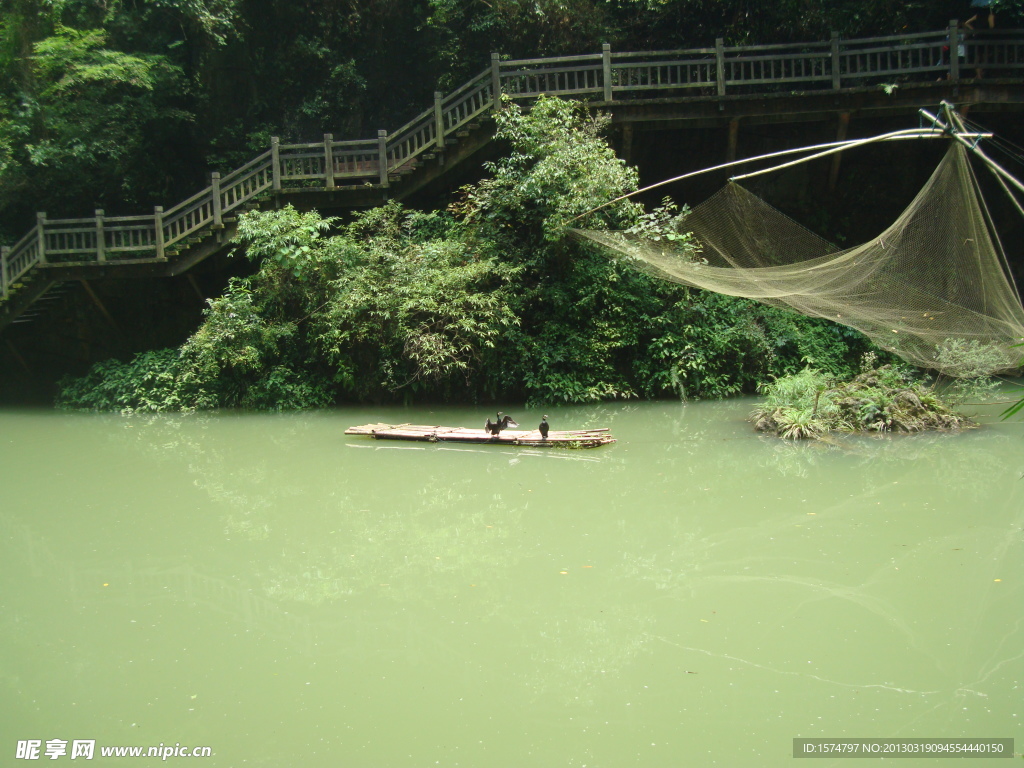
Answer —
(491, 298)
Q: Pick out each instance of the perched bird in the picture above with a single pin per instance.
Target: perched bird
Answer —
(543, 428)
(503, 423)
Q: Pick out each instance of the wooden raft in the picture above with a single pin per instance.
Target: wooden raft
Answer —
(582, 438)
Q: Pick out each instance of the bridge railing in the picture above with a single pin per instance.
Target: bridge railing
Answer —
(466, 103)
(925, 53)
(559, 76)
(604, 77)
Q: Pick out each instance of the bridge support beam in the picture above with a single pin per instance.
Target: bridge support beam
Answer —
(734, 131)
(195, 286)
(17, 356)
(99, 304)
(833, 173)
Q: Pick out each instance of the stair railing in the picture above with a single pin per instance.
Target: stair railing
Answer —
(606, 77)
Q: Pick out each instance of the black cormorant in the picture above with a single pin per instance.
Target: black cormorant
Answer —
(503, 423)
(543, 428)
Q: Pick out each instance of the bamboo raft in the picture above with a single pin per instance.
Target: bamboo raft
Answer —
(581, 438)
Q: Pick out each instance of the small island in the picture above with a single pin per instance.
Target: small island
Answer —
(885, 398)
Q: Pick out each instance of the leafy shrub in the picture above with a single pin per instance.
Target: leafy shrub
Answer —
(489, 299)
(881, 399)
(148, 382)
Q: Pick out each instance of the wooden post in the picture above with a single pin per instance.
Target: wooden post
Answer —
(439, 121)
(627, 142)
(833, 174)
(954, 45)
(5, 251)
(329, 160)
(275, 161)
(101, 250)
(215, 189)
(720, 65)
(496, 81)
(382, 155)
(836, 74)
(41, 234)
(158, 230)
(606, 70)
(734, 130)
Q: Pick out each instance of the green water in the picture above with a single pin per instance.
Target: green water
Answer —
(695, 594)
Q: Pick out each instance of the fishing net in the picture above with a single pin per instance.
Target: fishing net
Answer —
(931, 288)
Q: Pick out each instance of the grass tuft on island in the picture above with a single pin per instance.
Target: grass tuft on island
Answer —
(886, 398)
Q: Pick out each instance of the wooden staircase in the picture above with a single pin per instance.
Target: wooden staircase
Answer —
(169, 243)
(365, 172)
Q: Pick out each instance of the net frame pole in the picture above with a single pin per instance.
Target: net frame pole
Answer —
(959, 136)
(955, 119)
(917, 132)
(909, 133)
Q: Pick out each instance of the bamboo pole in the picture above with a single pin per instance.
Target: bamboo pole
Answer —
(913, 133)
(910, 133)
(959, 136)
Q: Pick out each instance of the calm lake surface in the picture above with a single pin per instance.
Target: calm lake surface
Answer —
(694, 595)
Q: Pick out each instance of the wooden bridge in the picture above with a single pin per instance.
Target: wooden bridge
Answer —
(724, 83)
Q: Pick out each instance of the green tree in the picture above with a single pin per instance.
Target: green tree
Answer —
(494, 298)
(82, 134)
